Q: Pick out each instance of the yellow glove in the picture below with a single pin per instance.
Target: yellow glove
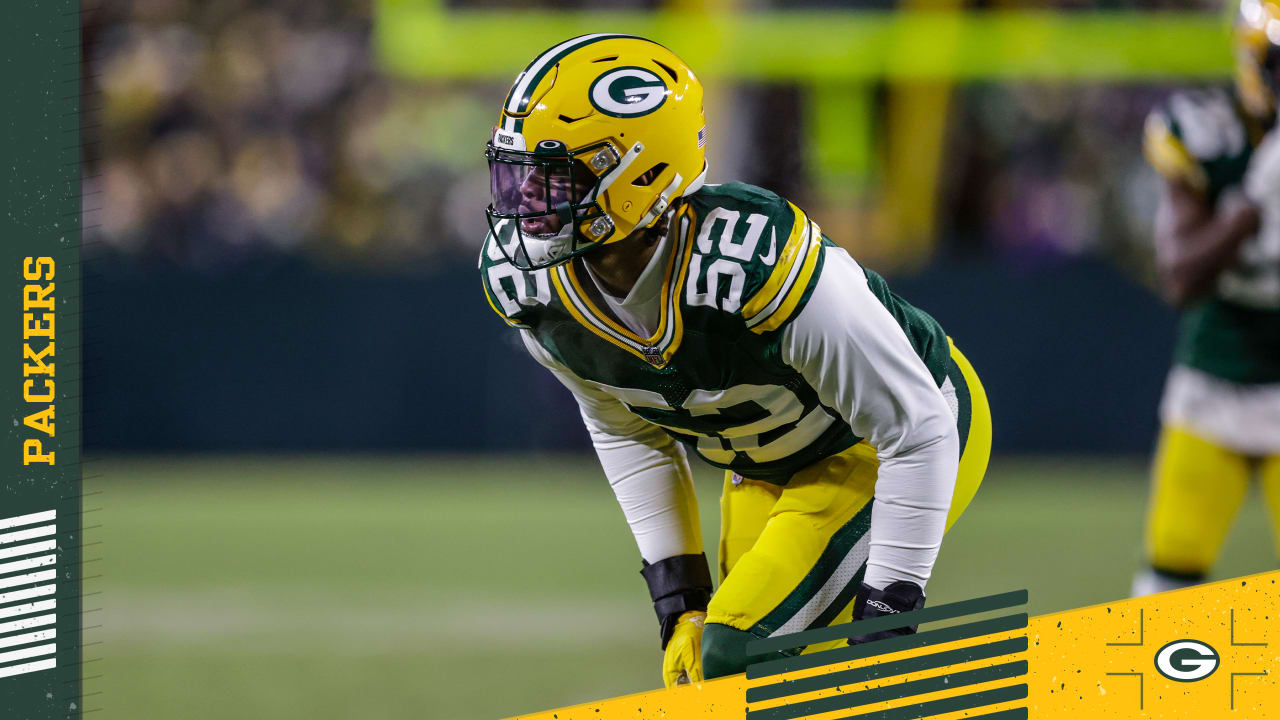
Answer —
(683, 662)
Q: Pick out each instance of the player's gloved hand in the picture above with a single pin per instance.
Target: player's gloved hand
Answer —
(680, 588)
(897, 597)
(682, 663)
(1262, 178)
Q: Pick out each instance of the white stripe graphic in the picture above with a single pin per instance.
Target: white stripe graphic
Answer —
(28, 549)
(31, 519)
(27, 564)
(22, 574)
(16, 625)
(821, 600)
(28, 667)
(27, 534)
(26, 594)
(28, 608)
(29, 578)
(37, 636)
(28, 652)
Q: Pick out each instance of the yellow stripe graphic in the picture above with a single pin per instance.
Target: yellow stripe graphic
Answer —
(1093, 662)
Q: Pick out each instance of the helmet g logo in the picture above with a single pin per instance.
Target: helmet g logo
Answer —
(1186, 660)
(628, 92)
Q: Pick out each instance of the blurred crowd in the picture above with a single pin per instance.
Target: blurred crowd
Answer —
(231, 129)
(234, 130)
(1038, 172)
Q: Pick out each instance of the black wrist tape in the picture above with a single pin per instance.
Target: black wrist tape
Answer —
(677, 585)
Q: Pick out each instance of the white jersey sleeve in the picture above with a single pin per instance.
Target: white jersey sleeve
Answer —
(646, 467)
(853, 352)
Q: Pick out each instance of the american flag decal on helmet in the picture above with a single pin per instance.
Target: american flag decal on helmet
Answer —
(702, 137)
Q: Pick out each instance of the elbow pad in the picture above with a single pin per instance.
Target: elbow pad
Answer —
(677, 585)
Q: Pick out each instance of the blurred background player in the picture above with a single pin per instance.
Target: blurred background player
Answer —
(1218, 248)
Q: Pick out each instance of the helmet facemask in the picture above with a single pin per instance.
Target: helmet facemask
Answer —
(542, 200)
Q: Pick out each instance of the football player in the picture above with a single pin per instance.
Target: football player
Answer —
(1218, 256)
(719, 320)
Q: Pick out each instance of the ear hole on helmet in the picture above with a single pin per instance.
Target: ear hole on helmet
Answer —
(670, 72)
(649, 175)
(605, 59)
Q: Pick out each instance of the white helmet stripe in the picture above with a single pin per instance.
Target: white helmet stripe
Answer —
(539, 64)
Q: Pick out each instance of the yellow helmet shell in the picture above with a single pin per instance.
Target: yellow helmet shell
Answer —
(1257, 33)
(628, 95)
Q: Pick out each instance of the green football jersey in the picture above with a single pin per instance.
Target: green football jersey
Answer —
(1205, 139)
(743, 264)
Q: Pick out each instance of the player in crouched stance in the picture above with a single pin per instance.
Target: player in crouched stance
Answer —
(718, 319)
(1218, 253)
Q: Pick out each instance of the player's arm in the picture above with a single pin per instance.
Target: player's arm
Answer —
(1195, 238)
(853, 352)
(650, 477)
(1196, 241)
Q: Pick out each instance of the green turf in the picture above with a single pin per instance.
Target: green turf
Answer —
(461, 588)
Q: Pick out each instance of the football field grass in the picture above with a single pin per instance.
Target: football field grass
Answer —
(364, 587)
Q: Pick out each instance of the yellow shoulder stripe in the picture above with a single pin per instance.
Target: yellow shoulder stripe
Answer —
(1169, 156)
(787, 258)
(796, 291)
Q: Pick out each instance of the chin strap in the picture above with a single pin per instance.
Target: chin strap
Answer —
(677, 585)
(661, 204)
(608, 178)
(697, 183)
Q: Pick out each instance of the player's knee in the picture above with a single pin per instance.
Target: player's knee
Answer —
(724, 650)
(1182, 552)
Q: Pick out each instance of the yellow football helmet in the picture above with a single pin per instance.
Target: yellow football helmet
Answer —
(597, 137)
(1257, 50)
